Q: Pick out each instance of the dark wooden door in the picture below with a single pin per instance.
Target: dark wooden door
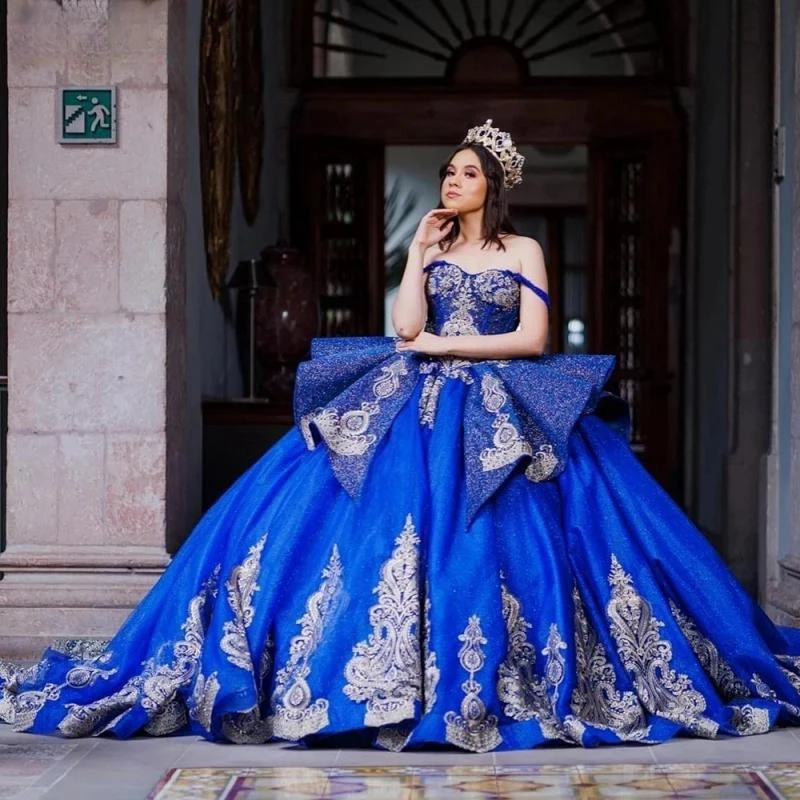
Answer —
(337, 218)
(636, 217)
(562, 233)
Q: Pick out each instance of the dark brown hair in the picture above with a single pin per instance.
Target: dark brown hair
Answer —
(495, 212)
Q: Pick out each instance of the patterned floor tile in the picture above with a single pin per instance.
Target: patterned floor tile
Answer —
(786, 779)
(635, 781)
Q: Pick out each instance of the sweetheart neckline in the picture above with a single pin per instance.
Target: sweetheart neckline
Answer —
(514, 274)
(468, 272)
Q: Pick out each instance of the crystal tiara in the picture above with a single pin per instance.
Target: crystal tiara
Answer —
(500, 145)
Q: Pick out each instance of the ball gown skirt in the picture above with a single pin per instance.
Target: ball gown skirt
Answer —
(442, 552)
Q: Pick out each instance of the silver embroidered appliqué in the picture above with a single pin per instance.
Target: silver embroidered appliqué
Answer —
(498, 287)
(240, 587)
(543, 464)
(156, 687)
(526, 695)
(437, 371)
(393, 738)
(473, 729)
(764, 691)
(432, 672)
(509, 444)
(749, 720)
(595, 699)
(647, 657)
(204, 695)
(385, 670)
(294, 713)
(347, 433)
(707, 654)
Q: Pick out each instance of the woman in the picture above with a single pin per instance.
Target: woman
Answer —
(454, 546)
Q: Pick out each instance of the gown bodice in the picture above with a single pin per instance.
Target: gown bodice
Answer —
(462, 303)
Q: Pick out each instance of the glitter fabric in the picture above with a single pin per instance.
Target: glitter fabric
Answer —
(540, 399)
(442, 553)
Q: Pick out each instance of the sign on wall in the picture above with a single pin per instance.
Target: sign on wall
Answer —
(87, 115)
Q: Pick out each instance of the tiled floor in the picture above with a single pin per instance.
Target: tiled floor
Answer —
(531, 782)
(39, 768)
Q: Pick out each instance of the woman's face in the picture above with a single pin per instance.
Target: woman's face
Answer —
(464, 185)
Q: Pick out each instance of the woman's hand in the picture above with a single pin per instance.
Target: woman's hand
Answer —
(433, 227)
(427, 343)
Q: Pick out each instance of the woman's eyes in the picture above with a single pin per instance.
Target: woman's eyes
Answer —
(469, 174)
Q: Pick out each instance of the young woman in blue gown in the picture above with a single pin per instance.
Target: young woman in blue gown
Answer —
(455, 546)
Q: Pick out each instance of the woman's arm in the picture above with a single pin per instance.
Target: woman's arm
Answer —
(528, 340)
(410, 309)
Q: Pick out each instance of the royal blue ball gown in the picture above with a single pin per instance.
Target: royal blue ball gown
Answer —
(442, 552)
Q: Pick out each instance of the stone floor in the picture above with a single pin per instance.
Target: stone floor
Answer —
(41, 768)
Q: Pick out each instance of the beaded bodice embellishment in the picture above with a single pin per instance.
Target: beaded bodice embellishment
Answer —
(462, 303)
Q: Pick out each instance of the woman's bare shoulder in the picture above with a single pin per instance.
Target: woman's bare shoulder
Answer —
(521, 244)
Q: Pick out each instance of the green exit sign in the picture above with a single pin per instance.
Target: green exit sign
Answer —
(87, 115)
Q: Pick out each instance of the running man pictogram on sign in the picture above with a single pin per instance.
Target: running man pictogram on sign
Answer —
(88, 116)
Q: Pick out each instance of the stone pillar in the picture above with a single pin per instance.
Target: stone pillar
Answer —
(750, 334)
(784, 597)
(96, 320)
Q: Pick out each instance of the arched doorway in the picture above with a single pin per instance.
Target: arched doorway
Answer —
(558, 75)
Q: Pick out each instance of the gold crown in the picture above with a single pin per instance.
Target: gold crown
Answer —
(499, 144)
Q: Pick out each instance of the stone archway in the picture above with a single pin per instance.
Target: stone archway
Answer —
(344, 40)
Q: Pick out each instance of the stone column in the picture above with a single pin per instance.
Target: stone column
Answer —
(96, 320)
(785, 595)
(750, 334)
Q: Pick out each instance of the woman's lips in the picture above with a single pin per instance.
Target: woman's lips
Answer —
(452, 195)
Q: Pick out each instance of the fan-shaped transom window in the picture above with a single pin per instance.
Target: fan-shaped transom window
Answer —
(485, 41)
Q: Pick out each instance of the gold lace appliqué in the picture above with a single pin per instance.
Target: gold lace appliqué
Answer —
(543, 463)
(647, 657)
(749, 720)
(509, 444)
(707, 654)
(495, 286)
(385, 670)
(204, 696)
(473, 729)
(294, 713)
(524, 694)
(156, 687)
(595, 698)
(240, 587)
(348, 433)
(437, 371)
(764, 691)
